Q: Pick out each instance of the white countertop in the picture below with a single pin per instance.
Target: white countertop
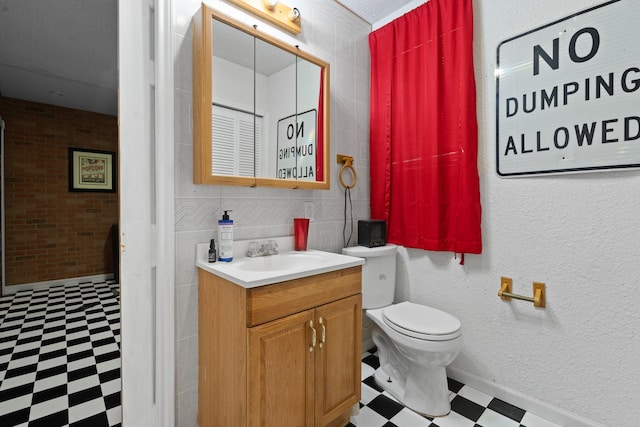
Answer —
(236, 272)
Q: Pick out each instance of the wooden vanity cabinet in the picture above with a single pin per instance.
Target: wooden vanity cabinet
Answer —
(286, 354)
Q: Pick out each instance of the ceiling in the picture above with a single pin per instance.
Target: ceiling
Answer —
(64, 52)
(373, 11)
(61, 52)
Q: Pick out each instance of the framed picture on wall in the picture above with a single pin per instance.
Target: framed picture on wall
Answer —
(92, 170)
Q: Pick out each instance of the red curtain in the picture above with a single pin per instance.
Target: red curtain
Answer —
(320, 131)
(424, 139)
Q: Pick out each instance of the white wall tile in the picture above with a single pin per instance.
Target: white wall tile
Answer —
(183, 48)
(187, 364)
(187, 408)
(186, 271)
(183, 114)
(186, 312)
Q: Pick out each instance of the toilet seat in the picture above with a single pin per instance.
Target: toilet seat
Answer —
(421, 322)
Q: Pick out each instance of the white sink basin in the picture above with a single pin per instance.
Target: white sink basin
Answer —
(265, 270)
(283, 262)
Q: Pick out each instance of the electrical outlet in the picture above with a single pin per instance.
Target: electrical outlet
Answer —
(308, 210)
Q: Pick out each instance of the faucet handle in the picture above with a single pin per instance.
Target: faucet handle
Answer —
(273, 246)
(254, 248)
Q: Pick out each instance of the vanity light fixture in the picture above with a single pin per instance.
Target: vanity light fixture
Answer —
(273, 11)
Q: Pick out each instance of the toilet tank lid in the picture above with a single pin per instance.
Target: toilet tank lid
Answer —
(364, 252)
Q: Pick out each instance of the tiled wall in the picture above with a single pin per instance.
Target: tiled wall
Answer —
(333, 34)
(52, 233)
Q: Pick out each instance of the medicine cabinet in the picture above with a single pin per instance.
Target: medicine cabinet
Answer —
(260, 108)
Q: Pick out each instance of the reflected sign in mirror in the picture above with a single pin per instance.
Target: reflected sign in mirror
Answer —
(266, 120)
(297, 146)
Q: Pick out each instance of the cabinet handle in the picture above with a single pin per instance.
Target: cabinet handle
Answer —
(313, 336)
(323, 336)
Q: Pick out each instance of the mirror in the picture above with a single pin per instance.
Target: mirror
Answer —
(261, 108)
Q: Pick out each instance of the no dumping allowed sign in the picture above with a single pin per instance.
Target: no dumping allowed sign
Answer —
(568, 94)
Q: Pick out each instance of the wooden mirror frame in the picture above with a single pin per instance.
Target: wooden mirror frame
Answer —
(202, 106)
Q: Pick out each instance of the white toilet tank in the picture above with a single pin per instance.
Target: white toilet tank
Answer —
(378, 274)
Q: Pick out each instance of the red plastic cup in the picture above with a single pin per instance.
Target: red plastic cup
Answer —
(300, 233)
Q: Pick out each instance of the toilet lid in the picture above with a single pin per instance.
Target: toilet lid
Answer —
(421, 321)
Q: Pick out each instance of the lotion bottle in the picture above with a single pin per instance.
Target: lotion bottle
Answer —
(225, 238)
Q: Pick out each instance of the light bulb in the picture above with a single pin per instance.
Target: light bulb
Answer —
(294, 15)
(270, 4)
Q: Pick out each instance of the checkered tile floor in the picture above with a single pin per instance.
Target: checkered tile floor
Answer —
(60, 357)
(469, 407)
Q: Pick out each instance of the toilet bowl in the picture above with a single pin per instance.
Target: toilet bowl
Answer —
(415, 342)
(413, 360)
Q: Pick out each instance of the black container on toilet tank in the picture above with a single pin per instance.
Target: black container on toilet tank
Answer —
(372, 233)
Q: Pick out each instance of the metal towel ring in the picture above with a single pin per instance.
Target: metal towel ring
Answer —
(353, 171)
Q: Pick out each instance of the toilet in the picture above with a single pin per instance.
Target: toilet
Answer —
(415, 342)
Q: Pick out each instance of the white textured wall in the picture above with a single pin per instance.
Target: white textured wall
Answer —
(580, 234)
(328, 32)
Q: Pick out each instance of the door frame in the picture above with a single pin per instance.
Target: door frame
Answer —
(147, 240)
(3, 276)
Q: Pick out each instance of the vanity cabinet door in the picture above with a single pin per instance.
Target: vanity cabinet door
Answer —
(338, 357)
(293, 382)
(281, 372)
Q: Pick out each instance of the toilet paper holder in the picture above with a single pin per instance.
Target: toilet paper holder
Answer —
(538, 299)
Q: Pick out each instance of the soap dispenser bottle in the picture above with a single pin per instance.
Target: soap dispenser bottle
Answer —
(225, 238)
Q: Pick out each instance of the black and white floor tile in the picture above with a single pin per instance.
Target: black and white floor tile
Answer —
(60, 356)
(469, 407)
(60, 366)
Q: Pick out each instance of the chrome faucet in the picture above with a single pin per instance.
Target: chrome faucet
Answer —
(256, 249)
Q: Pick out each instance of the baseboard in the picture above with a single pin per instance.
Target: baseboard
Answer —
(64, 282)
(537, 407)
